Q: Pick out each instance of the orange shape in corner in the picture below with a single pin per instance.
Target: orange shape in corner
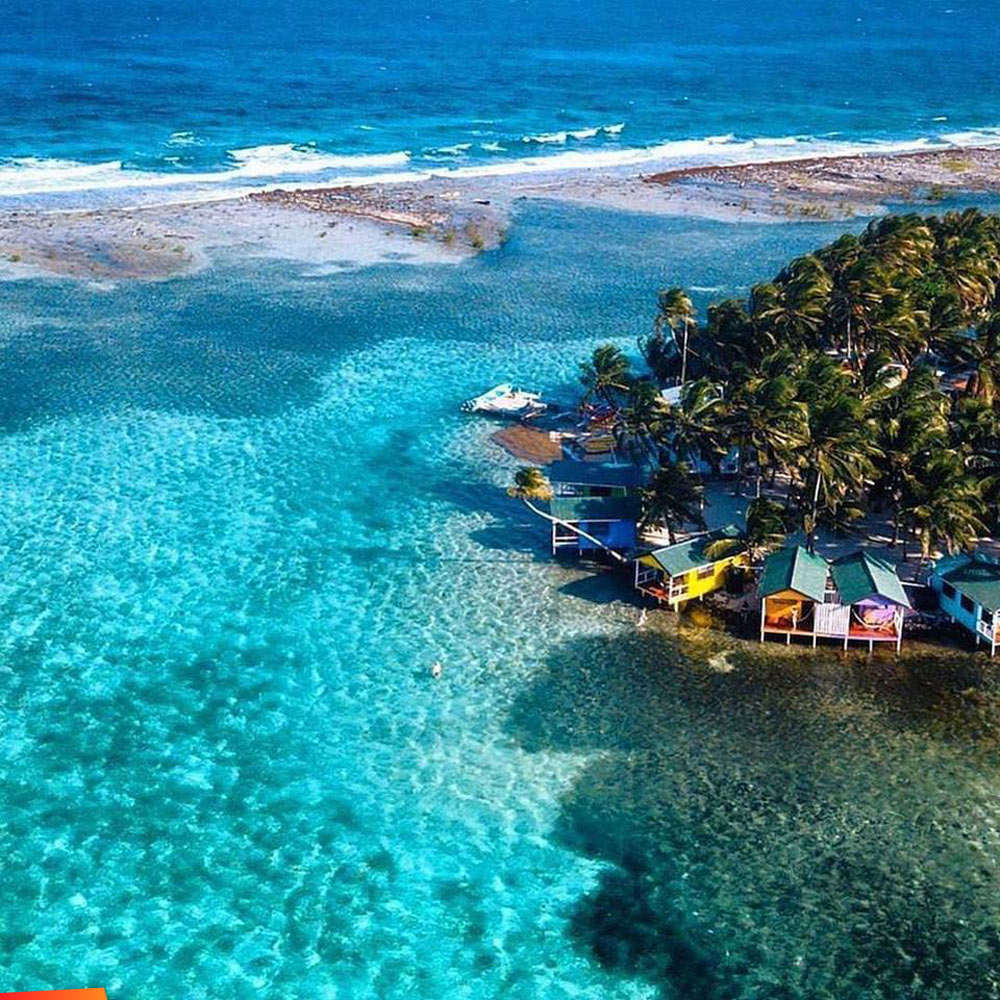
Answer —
(96, 994)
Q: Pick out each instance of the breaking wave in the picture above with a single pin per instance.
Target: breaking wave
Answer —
(35, 176)
(60, 182)
(563, 136)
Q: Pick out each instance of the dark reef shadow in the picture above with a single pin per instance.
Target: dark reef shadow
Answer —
(604, 585)
(780, 825)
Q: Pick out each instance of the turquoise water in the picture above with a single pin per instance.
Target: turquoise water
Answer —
(240, 518)
(122, 100)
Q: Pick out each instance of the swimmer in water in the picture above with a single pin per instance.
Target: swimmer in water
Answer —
(436, 669)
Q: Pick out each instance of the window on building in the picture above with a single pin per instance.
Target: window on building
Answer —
(968, 604)
(705, 572)
(949, 591)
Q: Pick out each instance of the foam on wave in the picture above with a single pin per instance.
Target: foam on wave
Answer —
(33, 175)
(286, 158)
(974, 137)
(255, 168)
(580, 134)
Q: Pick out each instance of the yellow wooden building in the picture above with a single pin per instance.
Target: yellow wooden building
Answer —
(677, 573)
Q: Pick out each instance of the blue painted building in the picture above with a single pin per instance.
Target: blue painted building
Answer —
(968, 589)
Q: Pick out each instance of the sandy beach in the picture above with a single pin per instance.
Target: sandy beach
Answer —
(449, 218)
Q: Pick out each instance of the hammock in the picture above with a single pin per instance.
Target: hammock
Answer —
(876, 619)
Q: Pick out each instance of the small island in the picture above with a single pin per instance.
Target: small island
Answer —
(854, 399)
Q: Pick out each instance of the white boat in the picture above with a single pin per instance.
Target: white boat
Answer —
(505, 400)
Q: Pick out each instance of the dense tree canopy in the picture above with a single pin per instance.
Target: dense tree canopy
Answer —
(863, 376)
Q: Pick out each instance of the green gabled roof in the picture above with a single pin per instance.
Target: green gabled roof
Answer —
(862, 575)
(675, 560)
(595, 508)
(794, 569)
(978, 579)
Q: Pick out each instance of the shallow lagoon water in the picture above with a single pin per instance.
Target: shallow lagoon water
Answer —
(241, 516)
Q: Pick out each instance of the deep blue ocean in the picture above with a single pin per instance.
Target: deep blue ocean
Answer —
(107, 96)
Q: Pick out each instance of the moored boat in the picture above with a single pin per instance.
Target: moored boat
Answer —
(505, 400)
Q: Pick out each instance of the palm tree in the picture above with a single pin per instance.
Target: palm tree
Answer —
(976, 437)
(874, 284)
(692, 429)
(660, 354)
(529, 485)
(841, 254)
(984, 351)
(911, 422)
(767, 527)
(967, 259)
(607, 374)
(730, 341)
(675, 311)
(945, 318)
(767, 310)
(839, 259)
(837, 456)
(639, 425)
(974, 429)
(805, 298)
(766, 421)
(903, 243)
(672, 499)
(898, 327)
(943, 505)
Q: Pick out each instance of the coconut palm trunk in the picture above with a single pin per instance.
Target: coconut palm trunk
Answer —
(684, 353)
(811, 534)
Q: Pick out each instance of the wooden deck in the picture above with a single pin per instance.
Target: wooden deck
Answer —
(654, 590)
(855, 634)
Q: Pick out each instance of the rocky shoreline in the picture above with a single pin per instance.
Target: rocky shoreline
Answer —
(449, 218)
(837, 187)
(423, 210)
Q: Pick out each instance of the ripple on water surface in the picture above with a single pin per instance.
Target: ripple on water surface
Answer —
(228, 766)
(227, 772)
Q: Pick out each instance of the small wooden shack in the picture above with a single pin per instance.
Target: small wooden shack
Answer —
(611, 520)
(593, 479)
(677, 573)
(855, 598)
(792, 585)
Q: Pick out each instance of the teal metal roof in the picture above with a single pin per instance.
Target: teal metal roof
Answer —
(862, 575)
(595, 508)
(794, 569)
(574, 473)
(978, 579)
(675, 560)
